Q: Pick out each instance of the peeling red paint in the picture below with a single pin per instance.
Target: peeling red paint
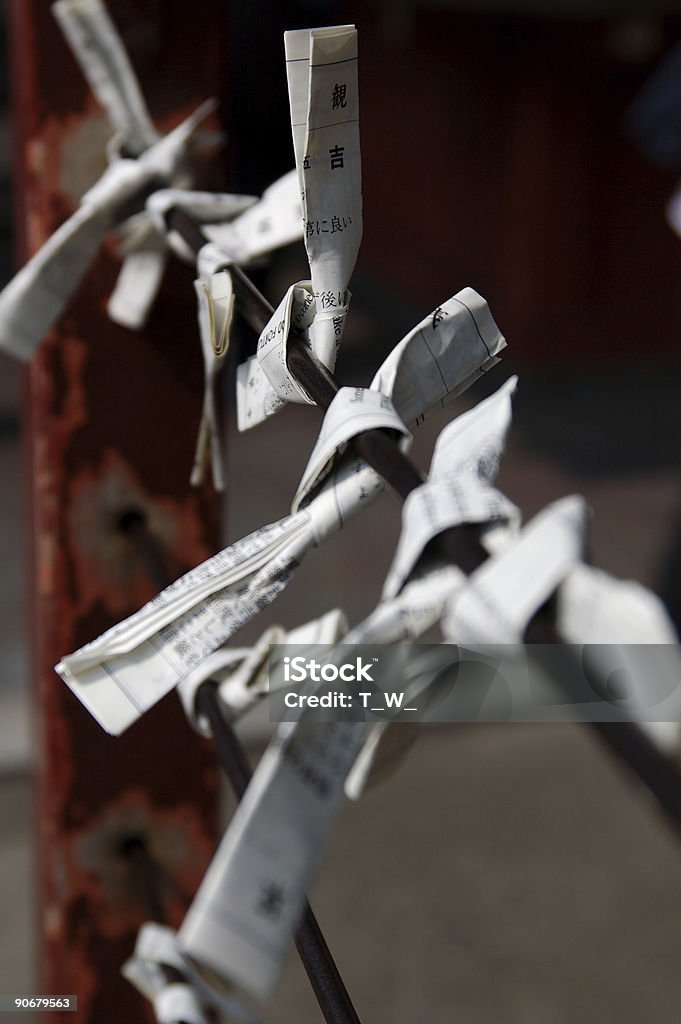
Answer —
(107, 566)
(111, 421)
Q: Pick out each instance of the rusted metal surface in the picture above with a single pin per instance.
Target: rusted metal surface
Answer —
(110, 422)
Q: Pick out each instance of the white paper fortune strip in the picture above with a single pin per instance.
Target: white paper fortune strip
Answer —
(37, 294)
(241, 230)
(249, 902)
(321, 67)
(98, 48)
(460, 483)
(215, 299)
(616, 620)
(458, 490)
(503, 594)
(140, 159)
(620, 619)
(276, 840)
(422, 372)
(274, 221)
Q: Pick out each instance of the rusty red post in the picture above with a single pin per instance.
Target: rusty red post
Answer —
(110, 424)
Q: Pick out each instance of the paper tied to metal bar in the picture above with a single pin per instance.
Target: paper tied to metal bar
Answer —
(433, 364)
(423, 363)
(271, 223)
(215, 298)
(625, 633)
(242, 919)
(631, 640)
(264, 383)
(352, 411)
(124, 672)
(458, 490)
(241, 673)
(146, 241)
(97, 46)
(460, 484)
(242, 230)
(187, 997)
(250, 900)
(407, 616)
(429, 367)
(321, 66)
(203, 207)
(426, 370)
(38, 293)
(276, 840)
(100, 52)
(502, 595)
(256, 226)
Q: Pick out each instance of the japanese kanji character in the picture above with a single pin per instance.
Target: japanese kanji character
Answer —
(271, 901)
(336, 154)
(438, 316)
(338, 99)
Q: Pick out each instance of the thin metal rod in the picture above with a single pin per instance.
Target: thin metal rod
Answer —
(328, 986)
(459, 544)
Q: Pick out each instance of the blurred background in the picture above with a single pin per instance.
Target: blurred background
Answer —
(516, 146)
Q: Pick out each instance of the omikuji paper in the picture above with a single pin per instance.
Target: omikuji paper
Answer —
(276, 840)
(98, 48)
(128, 669)
(321, 66)
(35, 297)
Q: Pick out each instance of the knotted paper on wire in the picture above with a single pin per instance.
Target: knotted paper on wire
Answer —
(321, 66)
(183, 1000)
(98, 48)
(277, 837)
(215, 298)
(131, 666)
(241, 673)
(140, 161)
